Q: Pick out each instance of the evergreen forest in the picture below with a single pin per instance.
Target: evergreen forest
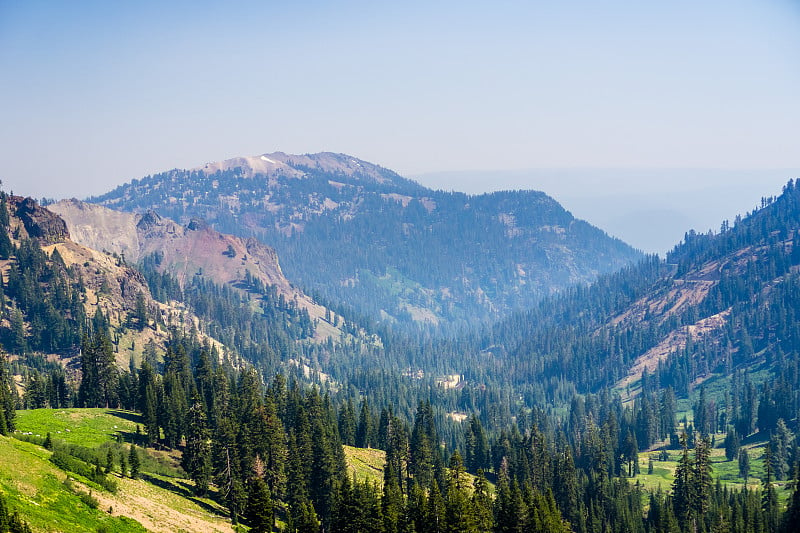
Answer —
(661, 395)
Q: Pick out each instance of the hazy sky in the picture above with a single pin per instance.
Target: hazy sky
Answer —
(96, 93)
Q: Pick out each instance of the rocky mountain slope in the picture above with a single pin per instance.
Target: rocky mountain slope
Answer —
(720, 303)
(53, 285)
(186, 251)
(362, 235)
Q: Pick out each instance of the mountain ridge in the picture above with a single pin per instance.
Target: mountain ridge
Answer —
(365, 237)
(186, 251)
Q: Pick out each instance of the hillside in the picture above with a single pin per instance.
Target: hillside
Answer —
(53, 285)
(385, 246)
(187, 251)
(36, 487)
(720, 305)
(62, 300)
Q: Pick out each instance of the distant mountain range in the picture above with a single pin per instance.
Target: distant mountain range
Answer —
(359, 235)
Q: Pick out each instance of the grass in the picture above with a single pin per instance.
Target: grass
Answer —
(727, 472)
(35, 488)
(87, 427)
(160, 501)
(366, 463)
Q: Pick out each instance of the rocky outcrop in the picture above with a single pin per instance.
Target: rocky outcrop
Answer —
(184, 251)
(39, 222)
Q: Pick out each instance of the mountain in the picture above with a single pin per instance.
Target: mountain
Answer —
(559, 405)
(186, 251)
(65, 283)
(720, 307)
(358, 234)
(53, 285)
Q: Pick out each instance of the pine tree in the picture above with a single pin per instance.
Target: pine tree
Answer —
(109, 460)
(7, 403)
(364, 431)
(303, 519)
(780, 444)
(134, 461)
(509, 508)
(347, 423)
(435, 512)
(482, 503)
(148, 400)
(140, 314)
(123, 464)
(458, 512)
(769, 498)
(196, 459)
(392, 501)
(98, 387)
(791, 518)
(732, 444)
(744, 464)
(701, 477)
(682, 493)
(259, 506)
(423, 452)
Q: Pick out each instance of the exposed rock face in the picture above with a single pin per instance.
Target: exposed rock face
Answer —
(184, 251)
(39, 223)
(107, 230)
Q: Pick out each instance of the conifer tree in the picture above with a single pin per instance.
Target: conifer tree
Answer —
(392, 500)
(701, 477)
(744, 464)
(731, 444)
(365, 430)
(259, 506)
(458, 511)
(303, 519)
(134, 461)
(7, 403)
(791, 519)
(196, 459)
(109, 460)
(682, 493)
(123, 464)
(769, 498)
(347, 423)
(482, 503)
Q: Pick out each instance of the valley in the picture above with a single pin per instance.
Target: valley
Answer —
(652, 394)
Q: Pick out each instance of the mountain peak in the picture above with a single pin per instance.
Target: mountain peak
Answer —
(281, 164)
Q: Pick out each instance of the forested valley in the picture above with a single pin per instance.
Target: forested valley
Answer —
(663, 397)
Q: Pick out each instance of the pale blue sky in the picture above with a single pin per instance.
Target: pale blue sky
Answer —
(96, 93)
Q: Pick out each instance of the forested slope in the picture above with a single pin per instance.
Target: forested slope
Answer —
(361, 235)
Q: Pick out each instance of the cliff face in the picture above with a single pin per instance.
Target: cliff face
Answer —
(39, 223)
(184, 251)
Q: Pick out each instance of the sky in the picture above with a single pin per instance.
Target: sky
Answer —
(482, 95)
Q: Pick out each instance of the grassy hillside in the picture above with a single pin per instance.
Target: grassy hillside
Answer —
(87, 427)
(366, 463)
(727, 472)
(35, 488)
(160, 501)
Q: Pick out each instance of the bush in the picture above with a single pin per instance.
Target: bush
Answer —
(89, 500)
(69, 463)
